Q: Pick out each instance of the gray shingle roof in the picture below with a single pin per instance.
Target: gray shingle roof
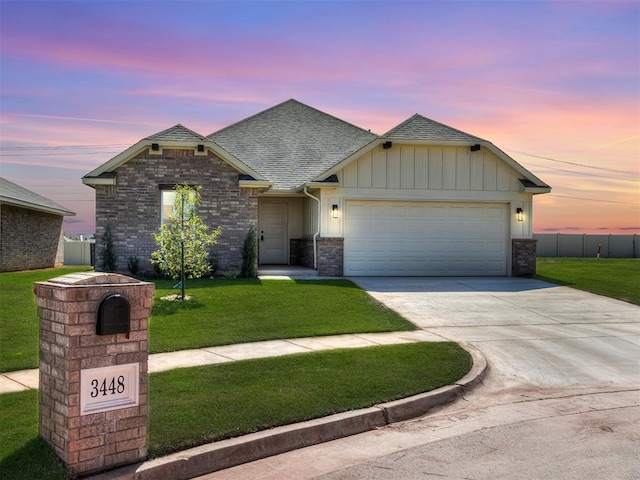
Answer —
(178, 133)
(421, 128)
(291, 143)
(13, 194)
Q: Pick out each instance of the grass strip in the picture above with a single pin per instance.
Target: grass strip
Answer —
(612, 277)
(223, 312)
(193, 406)
(19, 323)
(23, 454)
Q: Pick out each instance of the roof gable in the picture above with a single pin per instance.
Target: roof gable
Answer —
(178, 133)
(291, 143)
(13, 194)
(418, 127)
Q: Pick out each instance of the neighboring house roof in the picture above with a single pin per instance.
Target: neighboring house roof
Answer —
(418, 127)
(13, 194)
(292, 143)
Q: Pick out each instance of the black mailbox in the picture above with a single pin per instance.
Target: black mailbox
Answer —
(113, 315)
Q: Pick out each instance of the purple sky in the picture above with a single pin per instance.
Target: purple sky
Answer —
(555, 84)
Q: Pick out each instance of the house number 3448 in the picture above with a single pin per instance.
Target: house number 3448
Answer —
(116, 385)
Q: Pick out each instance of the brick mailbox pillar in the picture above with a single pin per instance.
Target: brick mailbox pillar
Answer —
(93, 368)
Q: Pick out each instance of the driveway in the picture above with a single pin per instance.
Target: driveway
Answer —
(531, 332)
(561, 399)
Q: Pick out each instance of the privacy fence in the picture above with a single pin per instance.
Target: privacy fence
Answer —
(583, 245)
(79, 253)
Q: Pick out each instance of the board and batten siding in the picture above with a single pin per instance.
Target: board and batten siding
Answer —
(431, 174)
(430, 168)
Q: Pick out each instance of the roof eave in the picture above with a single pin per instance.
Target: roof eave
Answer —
(142, 145)
(40, 208)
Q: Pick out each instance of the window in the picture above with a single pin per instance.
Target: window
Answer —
(168, 198)
(168, 213)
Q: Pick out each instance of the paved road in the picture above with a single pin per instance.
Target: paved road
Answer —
(561, 400)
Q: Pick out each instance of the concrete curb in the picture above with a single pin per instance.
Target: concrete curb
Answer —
(248, 448)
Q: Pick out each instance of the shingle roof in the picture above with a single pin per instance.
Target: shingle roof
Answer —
(421, 128)
(178, 133)
(14, 194)
(291, 143)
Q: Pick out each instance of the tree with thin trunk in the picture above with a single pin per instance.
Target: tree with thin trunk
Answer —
(182, 241)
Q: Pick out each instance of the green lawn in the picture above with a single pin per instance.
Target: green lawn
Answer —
(192, 406)
(612, 277)
(220, 312)
(223, 312)
(19, 316)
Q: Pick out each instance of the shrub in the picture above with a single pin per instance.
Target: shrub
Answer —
(108, 252)
(250, 254)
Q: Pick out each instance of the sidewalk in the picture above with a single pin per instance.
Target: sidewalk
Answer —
(29, 379)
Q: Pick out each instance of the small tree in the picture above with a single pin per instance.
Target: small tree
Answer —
(108, 251)
(183, 241)
(250, 254)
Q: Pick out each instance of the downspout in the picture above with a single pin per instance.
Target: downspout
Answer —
(315, 235)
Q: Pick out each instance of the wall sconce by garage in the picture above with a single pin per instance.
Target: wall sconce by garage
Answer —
(334, 211)
(387, 145)
(519, 214)
(475, 148)
(155, 147)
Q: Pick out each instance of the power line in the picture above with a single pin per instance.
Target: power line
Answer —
(594, 200)
(583, 173)
(63, 147)
(571, 163)
(54, 154)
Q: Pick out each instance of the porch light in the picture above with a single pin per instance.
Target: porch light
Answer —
(334, 211)
(519, 214)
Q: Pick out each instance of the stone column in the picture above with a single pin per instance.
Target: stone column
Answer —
(523, 257)
(93, 388)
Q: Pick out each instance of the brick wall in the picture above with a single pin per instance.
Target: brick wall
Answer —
(132, 206)
(68, 344)
(301, 252)
(523, 257)
(330, 256)
(29, 239)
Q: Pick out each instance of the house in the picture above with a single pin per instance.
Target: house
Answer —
(424, 199)
(31, 234)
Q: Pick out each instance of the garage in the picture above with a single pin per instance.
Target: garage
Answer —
(388, 238)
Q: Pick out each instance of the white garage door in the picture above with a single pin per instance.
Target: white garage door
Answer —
(425, 239)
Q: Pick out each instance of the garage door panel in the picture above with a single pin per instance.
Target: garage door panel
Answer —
(425, 239)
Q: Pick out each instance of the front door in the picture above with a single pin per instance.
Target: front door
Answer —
(273, 234)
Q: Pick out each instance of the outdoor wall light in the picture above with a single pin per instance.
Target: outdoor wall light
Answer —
(519, 214)
(334, 211)
(387, 145)
(200, 147)
(155, 147)
(475, 148)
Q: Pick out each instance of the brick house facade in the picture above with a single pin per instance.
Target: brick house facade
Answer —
(31, 235)
(132, 209)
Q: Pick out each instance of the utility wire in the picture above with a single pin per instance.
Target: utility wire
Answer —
(593, 199)
(582, 173)
(570, 163)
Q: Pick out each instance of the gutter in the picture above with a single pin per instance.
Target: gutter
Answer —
(315, 235)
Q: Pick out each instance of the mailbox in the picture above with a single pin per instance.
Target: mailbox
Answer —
(114, 315)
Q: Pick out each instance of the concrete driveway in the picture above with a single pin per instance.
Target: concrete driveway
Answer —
(531, 332)
(561, 399)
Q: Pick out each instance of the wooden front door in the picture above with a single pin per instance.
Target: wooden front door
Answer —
(273, 234)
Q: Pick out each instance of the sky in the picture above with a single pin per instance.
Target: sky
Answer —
(555, 84)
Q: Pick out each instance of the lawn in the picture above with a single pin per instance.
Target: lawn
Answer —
(247, 396)
(223, 312)
(19, 322)
(612, 277)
